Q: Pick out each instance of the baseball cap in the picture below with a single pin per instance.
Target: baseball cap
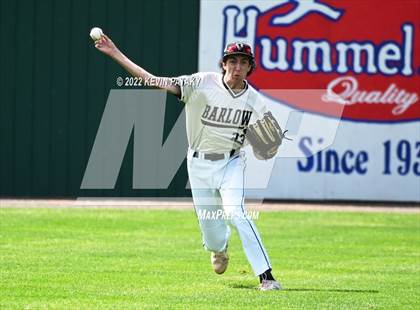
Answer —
(238, 48)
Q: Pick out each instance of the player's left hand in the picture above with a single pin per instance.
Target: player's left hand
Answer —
(265, 137)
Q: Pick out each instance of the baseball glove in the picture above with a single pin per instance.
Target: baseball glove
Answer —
(265, 136)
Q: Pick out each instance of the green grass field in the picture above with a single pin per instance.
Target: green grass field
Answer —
(131, 259)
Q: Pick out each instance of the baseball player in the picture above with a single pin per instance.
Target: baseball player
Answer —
(219, 109)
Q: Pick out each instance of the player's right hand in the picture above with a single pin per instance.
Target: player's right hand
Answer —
(106, 46)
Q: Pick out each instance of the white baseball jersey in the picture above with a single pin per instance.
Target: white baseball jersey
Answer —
(217, 118)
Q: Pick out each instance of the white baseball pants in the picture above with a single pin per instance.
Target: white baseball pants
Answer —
(218, 188)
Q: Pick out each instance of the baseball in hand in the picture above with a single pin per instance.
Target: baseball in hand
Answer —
(96, 33)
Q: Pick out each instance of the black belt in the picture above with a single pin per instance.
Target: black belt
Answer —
(215, 156)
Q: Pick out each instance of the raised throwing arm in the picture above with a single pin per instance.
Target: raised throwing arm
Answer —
(106, 46)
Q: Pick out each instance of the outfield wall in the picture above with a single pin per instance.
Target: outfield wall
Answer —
(54, 85)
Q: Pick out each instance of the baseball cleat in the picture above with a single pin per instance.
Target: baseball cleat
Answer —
(219, 261)
(269, 285)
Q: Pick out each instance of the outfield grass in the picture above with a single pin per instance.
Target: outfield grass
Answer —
(131, 259)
